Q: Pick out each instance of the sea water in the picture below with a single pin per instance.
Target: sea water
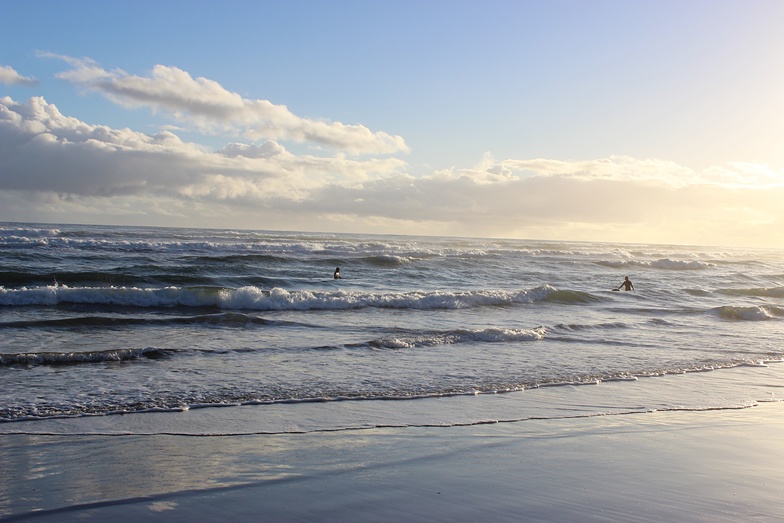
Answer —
(149, 330)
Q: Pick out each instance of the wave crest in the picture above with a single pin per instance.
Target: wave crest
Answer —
(254, 298)
(752, 313)
(74, 358)
(489, 335)
(664, 263)
(567, 297)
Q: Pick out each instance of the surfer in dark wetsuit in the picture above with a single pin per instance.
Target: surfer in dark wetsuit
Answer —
(627, 285)
(337, 273)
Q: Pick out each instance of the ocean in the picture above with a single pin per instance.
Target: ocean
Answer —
(205, 332)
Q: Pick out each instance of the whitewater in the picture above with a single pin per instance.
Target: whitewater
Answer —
(156, 324)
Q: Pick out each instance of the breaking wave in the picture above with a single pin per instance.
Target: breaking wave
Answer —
(665, 263)
(254, 298)
(489, 335)
(74, 358)
(403, 341)
(751, 313)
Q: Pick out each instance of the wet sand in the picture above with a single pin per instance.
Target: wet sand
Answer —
(719, 465)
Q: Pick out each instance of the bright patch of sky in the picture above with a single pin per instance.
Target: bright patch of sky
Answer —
(608, 120)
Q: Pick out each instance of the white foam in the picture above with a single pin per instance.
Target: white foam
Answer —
(664, 263)
(488, 335)
(254, 298)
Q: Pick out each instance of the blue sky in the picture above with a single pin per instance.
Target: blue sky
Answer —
(603, 120)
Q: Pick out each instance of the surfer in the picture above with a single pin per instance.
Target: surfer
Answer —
(337, 273)
(627, 285)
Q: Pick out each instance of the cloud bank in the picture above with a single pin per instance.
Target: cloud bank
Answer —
(58, 168)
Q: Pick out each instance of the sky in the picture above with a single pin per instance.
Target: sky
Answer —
(610, 120)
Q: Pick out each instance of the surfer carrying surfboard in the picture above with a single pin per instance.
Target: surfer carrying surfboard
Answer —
(627, 285)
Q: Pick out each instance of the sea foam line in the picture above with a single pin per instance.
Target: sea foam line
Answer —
(10, 415)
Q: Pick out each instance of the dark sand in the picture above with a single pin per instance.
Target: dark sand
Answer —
(722, 465)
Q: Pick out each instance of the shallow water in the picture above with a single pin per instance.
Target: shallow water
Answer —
(108, 320)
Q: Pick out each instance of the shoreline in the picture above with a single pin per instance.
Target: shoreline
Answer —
(713, 465)
(735, 387)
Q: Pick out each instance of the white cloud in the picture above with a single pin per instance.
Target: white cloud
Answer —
(9, 76)
(612, 168)
(43, 149)
(668, 173)
(211, 108)
(565, 207)
(744, 174)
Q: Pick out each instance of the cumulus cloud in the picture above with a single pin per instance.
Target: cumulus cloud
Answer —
(58, 168)
(9, 76)
(209, 107)
(44, 150)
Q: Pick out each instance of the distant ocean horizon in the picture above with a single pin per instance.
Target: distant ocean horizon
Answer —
(98, 321)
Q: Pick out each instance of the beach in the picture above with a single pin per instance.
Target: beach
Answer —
(392, 262)
(677, 465)
(151, 373)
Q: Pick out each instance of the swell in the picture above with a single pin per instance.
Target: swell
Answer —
(755, 292)
(137, 276)
(75, 358)
(400, 341)
(568, 296)
(578, 327)
(385, 261)
(228, 319)
(749, 313)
